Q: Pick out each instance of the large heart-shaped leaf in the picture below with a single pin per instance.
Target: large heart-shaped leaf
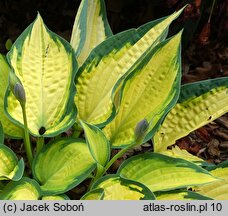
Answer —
(161, 173)
(180, 195)
(97, 142)
(90, 28)
(148, 92)
(46, 65)
(25, 189)
(9, 128)
(217, 190)
(108, 62)
(10, 167)
(199, 104)
(62, 165)
(117, 188)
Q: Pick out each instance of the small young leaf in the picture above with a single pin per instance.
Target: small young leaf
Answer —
(161, 173)
(117, 188)
(199, 103)
(97, 142)
(8, 44)
(10, 167)
(25, 189)
(62, 165)
(90, 28)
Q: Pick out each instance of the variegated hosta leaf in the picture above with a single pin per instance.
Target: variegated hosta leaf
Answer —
(96, 194)
(161, 173)
(90, 28)
(180, 195)
(176, 152)
(9, 128)
(148, 92)
(217, 190)
(25, 189)
(56, 197)
(97, 142)
(117, 188)
(46, 66)
(199, 104)
(62, 165)
(10, 167)
(107, 63)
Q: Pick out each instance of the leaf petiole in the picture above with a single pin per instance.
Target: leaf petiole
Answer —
(39, 144)
(114, 158)
(27, 142)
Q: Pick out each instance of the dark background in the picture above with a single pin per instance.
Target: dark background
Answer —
(16, 15)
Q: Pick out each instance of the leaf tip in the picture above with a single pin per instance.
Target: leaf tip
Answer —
(39, 18)
(182, 9)
(176, 39)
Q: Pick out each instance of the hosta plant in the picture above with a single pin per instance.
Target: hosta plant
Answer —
(106, 91)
